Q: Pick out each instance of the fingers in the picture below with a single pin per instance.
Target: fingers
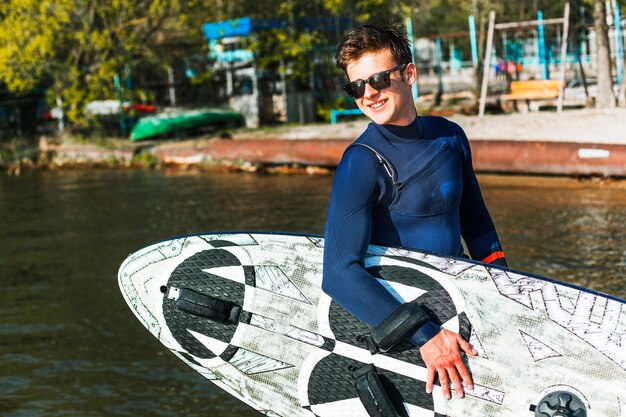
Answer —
(443, 380)
(465, 375)
(453, 375)
(460, 366)
(430, 379)
(467, 348)
(456, 381)
(449, 377)
(442, 356)
(452, 379)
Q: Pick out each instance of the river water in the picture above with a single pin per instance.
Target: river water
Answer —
(69, 345)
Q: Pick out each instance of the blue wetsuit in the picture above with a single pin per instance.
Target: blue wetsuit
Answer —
(410, 186)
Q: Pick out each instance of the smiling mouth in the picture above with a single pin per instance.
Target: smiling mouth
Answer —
(378, 104)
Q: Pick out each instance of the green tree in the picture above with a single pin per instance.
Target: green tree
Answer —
(76, 47)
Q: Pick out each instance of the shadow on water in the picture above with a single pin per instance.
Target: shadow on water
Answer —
(69, 346)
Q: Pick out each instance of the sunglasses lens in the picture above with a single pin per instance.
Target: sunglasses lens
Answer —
(380, 80)
(355, 89)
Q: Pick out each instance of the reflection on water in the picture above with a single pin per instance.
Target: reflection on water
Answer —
(70, 346)
(562, 228)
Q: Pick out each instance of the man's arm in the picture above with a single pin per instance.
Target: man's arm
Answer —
(348, 231)
(347, 236)
(477, 227)
(442, 353)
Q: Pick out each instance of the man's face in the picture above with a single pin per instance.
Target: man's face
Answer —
(393, 105)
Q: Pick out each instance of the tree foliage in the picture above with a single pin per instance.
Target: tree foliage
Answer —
(75, 48)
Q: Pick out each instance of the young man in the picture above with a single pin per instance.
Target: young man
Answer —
(406, 181)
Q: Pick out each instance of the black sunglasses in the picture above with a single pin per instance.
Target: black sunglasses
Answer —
(378, 81)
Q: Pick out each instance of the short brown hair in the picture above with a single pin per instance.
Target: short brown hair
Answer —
(370, 38)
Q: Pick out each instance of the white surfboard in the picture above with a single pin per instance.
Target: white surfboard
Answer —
(546, 348)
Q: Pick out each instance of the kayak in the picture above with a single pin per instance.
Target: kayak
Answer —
(184, 120)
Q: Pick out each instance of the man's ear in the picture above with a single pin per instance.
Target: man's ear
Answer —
(410, 73)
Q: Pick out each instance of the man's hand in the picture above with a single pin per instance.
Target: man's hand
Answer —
(443, 356)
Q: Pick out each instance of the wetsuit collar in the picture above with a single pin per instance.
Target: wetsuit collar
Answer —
(411, 132)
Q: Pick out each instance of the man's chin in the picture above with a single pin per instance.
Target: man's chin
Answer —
(371, 114)
(378, 118)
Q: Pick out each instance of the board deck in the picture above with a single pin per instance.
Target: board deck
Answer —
(293, 351)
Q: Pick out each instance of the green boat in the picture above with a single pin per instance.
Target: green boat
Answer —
(178, 121)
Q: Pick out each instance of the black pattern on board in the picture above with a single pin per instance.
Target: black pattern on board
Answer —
(332, 380)
(194, 273)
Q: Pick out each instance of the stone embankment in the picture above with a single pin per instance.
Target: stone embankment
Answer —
(584, 142)
(575, 142)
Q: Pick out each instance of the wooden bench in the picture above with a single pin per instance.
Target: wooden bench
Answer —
(525, 92)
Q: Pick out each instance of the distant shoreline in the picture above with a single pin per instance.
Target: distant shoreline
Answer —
(585, 142)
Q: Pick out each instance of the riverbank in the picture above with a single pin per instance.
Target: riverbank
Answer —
(580, 126)
(583, 142)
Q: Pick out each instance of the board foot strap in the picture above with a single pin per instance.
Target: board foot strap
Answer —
(207, 306)
(372, 393)
(399, 325)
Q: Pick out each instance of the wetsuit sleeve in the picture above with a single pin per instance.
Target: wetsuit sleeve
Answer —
(347, 236)
(348, 230)
(477, 228)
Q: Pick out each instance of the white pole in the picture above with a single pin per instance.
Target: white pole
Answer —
(60, 116)
(172, 86)
(486, 64)
(559, 106)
